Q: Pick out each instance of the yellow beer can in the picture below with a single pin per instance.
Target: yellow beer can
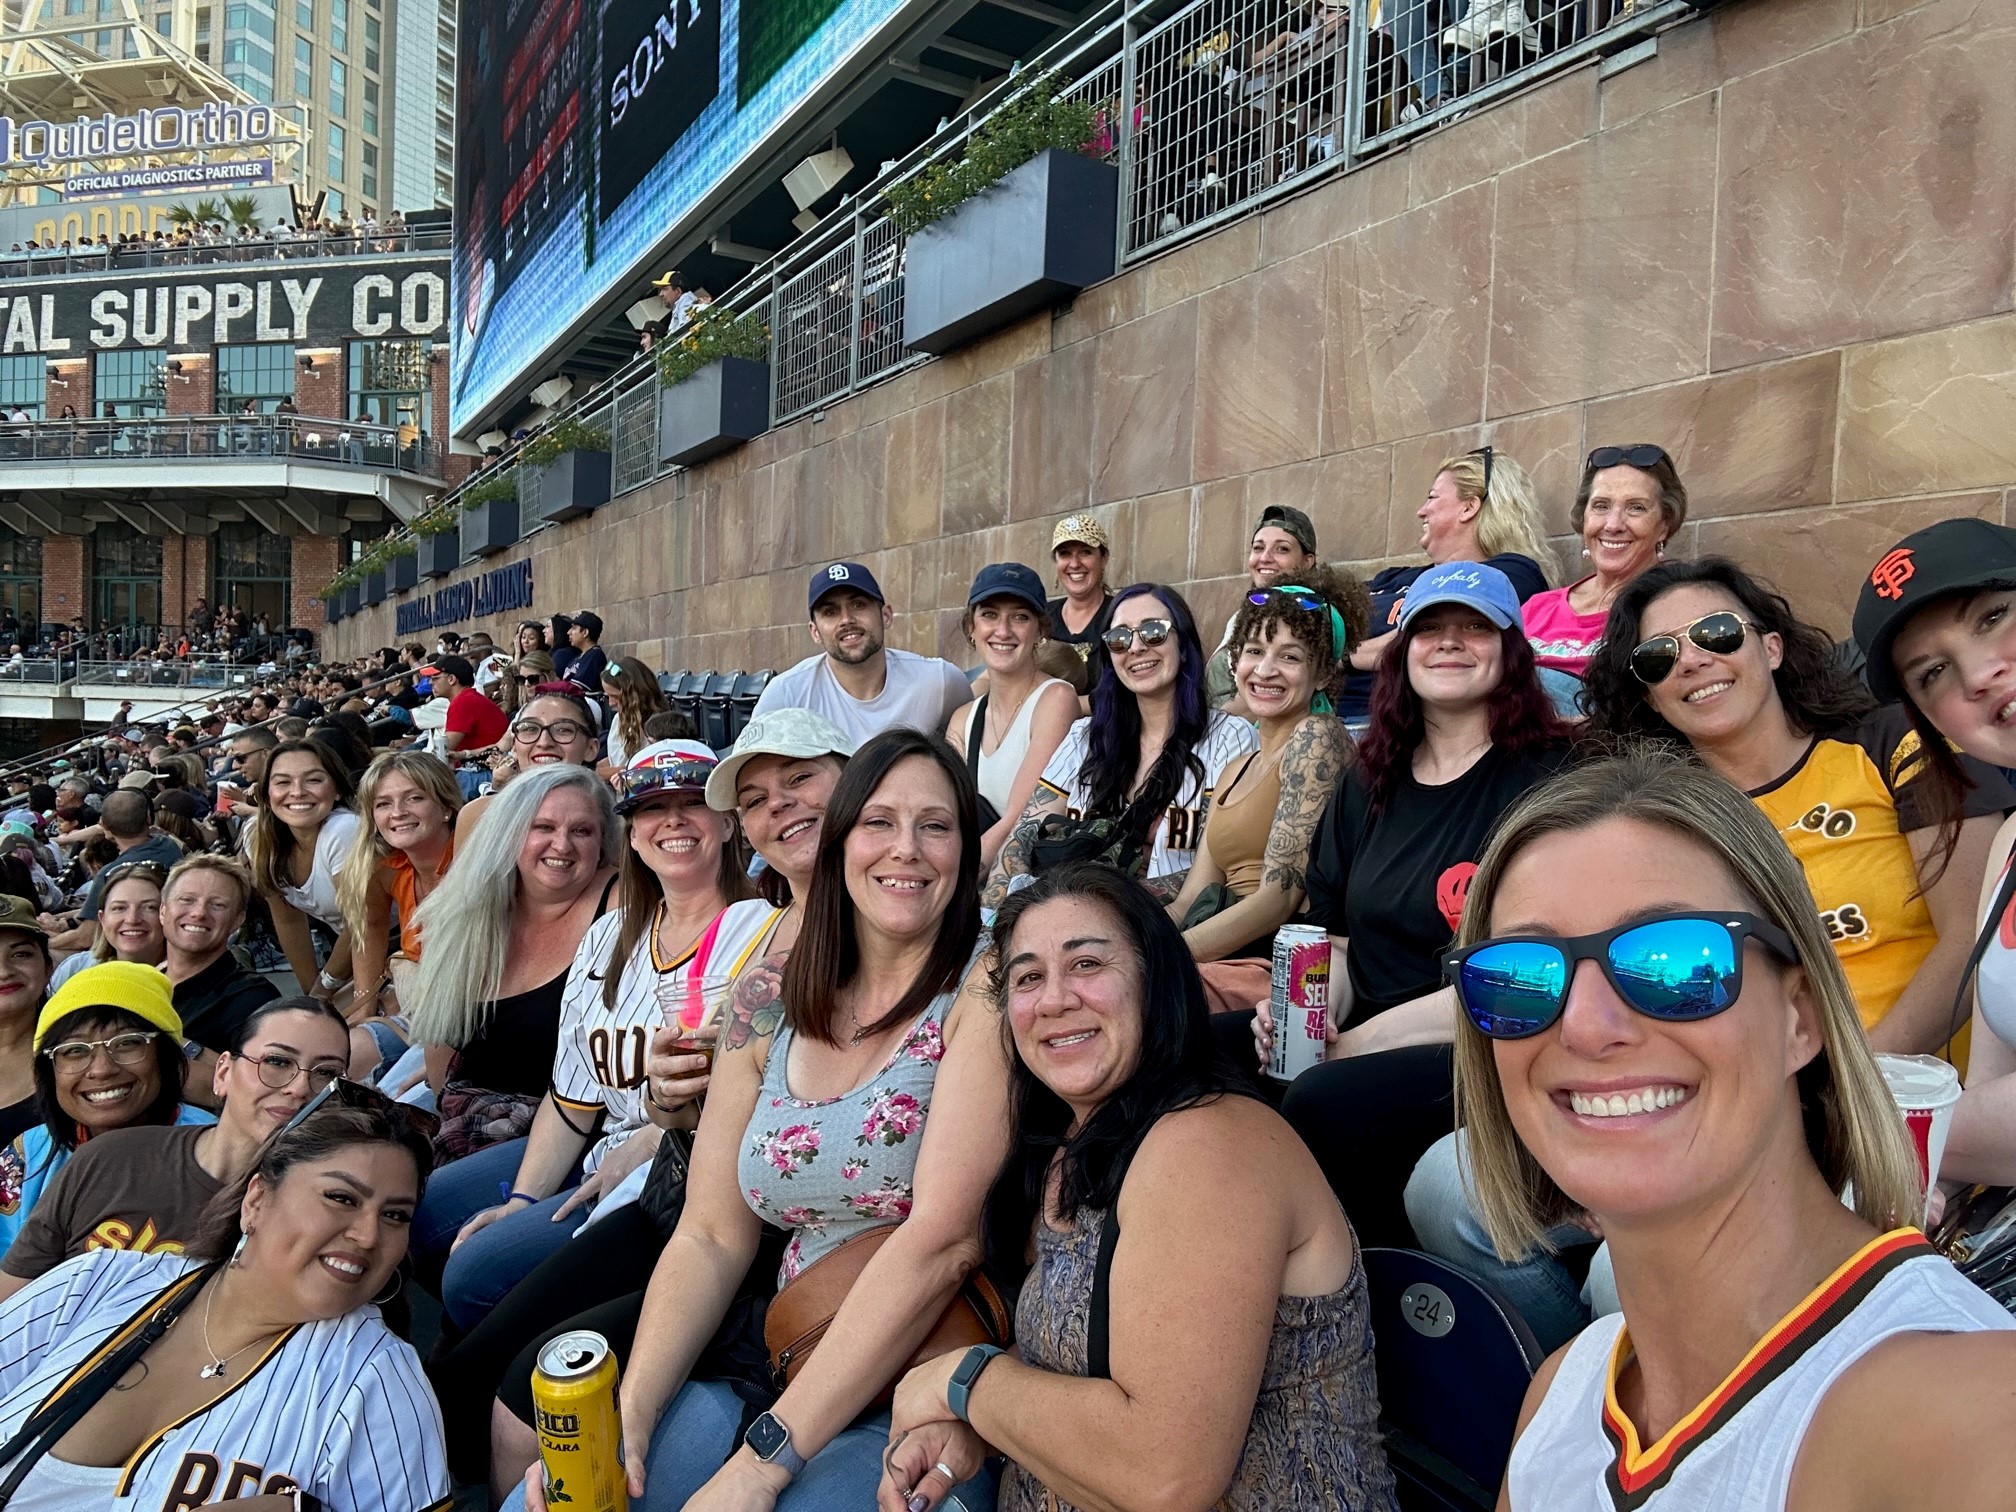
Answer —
(580, 1432)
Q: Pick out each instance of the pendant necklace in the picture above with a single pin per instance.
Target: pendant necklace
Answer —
(217, 1364)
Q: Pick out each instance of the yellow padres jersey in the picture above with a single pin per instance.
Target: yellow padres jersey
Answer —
(1845, 811)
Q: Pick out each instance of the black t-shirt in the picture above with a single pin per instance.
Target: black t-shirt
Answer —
(1394, 882)
(220, 997)
(1389, 594)
(1083, 640)
(585, 670)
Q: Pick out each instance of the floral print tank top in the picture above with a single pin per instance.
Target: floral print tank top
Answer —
(832, 1169)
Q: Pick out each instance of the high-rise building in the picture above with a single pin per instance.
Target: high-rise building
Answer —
(371, 82)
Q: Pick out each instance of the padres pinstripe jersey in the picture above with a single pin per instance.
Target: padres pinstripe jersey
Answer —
(338, 1408)
(1735, 1452)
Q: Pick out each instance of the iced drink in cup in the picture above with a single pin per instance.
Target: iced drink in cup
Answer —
(694, 1009)
(1926, 1088)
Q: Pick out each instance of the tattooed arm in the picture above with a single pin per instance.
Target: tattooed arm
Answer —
(1310, 768)
(1014, 859)
(701, 1266)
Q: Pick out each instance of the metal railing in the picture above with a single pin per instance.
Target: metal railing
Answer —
(169, 674)
(1210, 108)
(45, 670)
(244, 438)
(128, 257)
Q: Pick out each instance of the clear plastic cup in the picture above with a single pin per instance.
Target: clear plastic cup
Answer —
(1926, 1089)
(695, 1008)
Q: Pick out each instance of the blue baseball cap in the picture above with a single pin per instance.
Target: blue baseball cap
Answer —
(842, 575)
(1477, 584)
(1008, 580)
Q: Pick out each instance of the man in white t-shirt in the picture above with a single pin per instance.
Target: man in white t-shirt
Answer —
(856, 681)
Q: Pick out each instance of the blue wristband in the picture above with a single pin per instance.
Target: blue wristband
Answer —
(505, 1194)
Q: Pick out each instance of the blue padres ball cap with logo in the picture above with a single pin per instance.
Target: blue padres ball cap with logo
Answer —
(1475, 584)
(842, 575)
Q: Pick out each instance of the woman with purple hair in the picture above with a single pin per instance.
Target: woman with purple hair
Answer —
(1151, 754)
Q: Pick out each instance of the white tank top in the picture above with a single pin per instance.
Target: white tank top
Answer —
(997, 772)
(1995, 986)
(1735, 1452)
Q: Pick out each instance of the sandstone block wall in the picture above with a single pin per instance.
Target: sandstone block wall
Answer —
(1785, 248)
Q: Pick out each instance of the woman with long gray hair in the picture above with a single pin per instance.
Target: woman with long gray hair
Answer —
(501, 931)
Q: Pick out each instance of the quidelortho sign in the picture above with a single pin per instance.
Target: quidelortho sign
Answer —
(307, 301)
(170, 128)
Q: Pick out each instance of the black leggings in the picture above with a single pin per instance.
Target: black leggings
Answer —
(612, 1258)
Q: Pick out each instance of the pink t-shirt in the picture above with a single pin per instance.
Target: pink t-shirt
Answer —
(1562, 638)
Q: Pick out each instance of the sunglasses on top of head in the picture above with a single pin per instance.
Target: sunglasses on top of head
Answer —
(1719, 634)
(355, 1094)
(1643, 457)
(1152, 632)
(1675, 967)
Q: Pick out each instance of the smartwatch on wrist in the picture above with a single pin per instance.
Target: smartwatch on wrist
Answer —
(965, 1374)
(771, 1441)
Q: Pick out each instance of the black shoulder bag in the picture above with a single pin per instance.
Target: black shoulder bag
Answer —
(49, 1422)
(976, 731)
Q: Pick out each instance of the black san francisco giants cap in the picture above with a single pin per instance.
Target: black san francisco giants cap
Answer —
(1954, 556)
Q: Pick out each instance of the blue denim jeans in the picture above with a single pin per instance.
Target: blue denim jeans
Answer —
(703, 1427)
(1539, 1286)
(479, 1273)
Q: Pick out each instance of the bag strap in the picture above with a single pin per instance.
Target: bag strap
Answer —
(1982, 941)
(976, 731)
(1098, 1322)
(48, 1423)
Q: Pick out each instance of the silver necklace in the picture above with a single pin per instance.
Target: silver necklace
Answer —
(218, 1362)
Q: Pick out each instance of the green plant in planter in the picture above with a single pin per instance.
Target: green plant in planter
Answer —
(708, 336)
(1031, 123)
(503, 486)
(437, 519)
(404, 546)
(566, 436)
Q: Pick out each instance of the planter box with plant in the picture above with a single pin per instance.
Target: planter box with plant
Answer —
(566, 469)
(490, 515)
(352, 599)
(1019, 222)
(438, 534)
(374, 586)
(402, 567)
(716, 395)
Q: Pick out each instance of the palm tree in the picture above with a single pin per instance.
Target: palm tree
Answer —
(243, 210)
(202, 213)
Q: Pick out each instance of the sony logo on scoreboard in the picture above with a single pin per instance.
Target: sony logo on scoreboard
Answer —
(169, 129)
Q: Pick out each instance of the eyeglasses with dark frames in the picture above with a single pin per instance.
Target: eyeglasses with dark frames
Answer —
(561, 731)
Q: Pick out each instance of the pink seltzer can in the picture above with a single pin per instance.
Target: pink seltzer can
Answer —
(1300, 999)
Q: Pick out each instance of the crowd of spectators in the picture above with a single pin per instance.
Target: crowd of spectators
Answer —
(216, 241)
(930, 1020)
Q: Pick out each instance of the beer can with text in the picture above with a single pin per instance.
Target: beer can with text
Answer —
(1300, 1000)
(580, 1433)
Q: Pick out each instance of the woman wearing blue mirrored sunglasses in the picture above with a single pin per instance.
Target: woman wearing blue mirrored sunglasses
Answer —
(1667, 1050)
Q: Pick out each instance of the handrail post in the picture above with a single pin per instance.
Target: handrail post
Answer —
(1357, 51)
(854, 307)
(1123, 129)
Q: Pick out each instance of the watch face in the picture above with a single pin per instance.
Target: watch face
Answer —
(767, 1436)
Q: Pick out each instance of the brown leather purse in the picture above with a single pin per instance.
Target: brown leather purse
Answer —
(804, 1308)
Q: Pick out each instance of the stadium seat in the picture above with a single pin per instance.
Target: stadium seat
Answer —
(685, 694)
(1454, 1363)
(666, 680)
(742, 701)
(714, 709)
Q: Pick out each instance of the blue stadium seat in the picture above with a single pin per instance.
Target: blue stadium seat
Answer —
(685, 694)
(1454, 1363)
(714, 709)
(666, 681)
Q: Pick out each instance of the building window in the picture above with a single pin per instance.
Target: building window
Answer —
(339, 87)
(371, 106)
(264, 374)
(21, 580)
(389, 383)
(337, 141)
(304, 14)
(339, 25)
(125, 577)
(304, 68)
(22, 383)
(253, 570)
(130, 384)
(371, 38)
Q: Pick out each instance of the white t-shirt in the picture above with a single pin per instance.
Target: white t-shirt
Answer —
(339, 1408)
(600, 1064)
(919, 693)
(1182, 823)
(317, 896)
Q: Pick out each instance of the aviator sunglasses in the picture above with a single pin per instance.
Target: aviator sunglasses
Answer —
(1674, 967)
(1719, 634)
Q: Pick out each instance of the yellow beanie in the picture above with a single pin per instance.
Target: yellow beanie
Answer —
(141, 990)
